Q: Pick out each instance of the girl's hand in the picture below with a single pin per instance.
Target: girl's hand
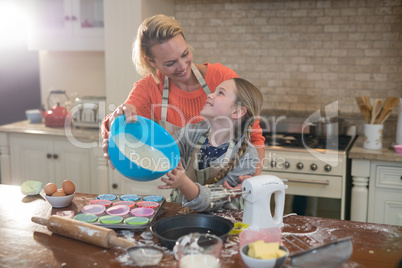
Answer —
(239, 186)
(175, 178)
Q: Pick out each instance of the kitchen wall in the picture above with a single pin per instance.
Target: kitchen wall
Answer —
(302, 54)
(79, 73)
(19, 80)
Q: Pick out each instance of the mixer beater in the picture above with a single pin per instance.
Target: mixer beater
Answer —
(257, 192)
(220, 195)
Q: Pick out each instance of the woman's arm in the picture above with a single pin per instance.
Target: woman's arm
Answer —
(257, 139)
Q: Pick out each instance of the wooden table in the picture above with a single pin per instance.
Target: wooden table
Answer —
(26, 244)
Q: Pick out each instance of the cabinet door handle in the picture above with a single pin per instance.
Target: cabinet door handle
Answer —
(67, 17)
(326, 182)
(115, 185)
(55, 156)
(73, 18)
(48, 156)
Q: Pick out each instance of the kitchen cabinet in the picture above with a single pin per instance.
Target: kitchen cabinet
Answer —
(377, 192)
(75, 25)
(49, 160)
(385, 193)
(35, 152)
(377, 185)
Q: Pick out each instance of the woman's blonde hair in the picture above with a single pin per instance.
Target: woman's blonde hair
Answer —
(154, 30)
(250, 97)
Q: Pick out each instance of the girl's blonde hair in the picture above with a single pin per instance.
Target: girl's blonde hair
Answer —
(250, 97)
(154, 30)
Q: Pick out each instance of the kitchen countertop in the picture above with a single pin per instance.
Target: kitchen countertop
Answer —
(89, 134)
(387, 153)
(26, 244)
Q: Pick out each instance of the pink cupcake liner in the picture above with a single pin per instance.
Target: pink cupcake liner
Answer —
(147, 204)
(142, 212)
(119, 210)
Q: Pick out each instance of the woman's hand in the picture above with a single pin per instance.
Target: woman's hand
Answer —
(128, 110)
(131, 116)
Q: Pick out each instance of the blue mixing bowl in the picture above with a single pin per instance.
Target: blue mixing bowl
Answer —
(133, 147)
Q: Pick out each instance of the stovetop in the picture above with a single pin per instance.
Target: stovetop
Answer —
(339, 143)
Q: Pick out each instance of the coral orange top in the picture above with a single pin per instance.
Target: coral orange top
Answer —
(184, 107)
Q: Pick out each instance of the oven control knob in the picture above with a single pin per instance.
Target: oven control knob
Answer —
(328, 168)
(299, 166)
(313, 167)
(287, 164)
(273, 164)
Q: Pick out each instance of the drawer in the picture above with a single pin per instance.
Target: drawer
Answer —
(389, 177)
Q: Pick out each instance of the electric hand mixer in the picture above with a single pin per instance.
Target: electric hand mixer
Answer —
(257, 192)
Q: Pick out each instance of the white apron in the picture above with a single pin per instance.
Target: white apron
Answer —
(165, 99)
(203, 175)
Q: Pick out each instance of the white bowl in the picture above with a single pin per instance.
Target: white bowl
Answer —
(35, 116)
(60, 201)
(259, 263)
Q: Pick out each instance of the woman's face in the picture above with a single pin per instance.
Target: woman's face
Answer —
(173, 58)
(222, 101)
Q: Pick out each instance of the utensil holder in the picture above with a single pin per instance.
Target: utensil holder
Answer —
(373, 135)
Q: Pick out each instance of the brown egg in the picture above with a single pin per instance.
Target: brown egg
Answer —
(50, 188)
(59, 192)
(68, 187)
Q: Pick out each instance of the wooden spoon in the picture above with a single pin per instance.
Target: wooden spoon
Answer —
(389, 104)
(385, 117)
(359, 101)
(367, 102)
(365, 112)
(377, 106)
(362, 106)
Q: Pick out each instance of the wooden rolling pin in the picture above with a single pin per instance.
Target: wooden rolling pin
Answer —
(86, 232)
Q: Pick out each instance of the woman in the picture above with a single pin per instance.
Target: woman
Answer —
(216, 150)
(173, 90)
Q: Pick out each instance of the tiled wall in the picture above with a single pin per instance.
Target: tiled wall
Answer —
(302, 54)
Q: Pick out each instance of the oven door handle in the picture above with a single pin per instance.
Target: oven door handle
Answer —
(326, 182)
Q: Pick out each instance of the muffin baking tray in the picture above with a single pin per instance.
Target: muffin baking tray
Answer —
(130, 211)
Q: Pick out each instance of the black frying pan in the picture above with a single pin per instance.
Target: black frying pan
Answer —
(170, 229)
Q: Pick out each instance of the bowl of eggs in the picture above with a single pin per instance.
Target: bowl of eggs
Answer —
(141, 151)
(60, 198)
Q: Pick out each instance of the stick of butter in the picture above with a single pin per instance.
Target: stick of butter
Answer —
(262, 250)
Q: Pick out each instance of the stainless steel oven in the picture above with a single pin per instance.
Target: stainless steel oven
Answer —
(316, 170)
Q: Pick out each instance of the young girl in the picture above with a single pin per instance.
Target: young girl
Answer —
(217, 149)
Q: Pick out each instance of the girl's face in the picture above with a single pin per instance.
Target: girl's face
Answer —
(173, 58)
(222, 101)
